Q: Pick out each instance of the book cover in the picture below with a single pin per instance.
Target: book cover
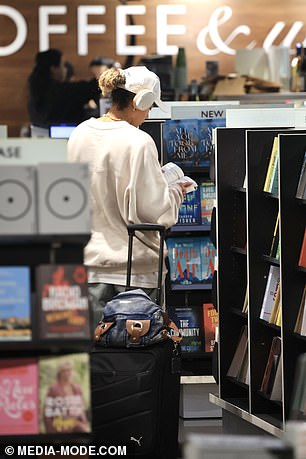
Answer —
(302, 257)
(64, 393)
(270, 292)
(239, 354)
(190, 209)
(184, 260)
(275, 238)
(188, 320)
(301, 188)
(207, 196)
(301, 313)
(205, 129)
(15, 303)
(63, 309)
(208, 254)
(271, 165)
(211, 321)
(18, 396)
(181, 142)
(275, 308)
(271, 366)
(273, 188)
(277, 386)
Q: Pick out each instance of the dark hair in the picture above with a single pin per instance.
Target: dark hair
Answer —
(122, 98)
(99, 60)
(41, 74)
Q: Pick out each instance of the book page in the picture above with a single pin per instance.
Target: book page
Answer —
(174, 174)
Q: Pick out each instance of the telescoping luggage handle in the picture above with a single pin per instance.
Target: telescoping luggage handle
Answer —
(146, 227)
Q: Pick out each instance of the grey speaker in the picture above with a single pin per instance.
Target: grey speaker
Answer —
(17, 200)
(63, 202)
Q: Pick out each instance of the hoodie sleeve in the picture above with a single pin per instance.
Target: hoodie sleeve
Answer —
(148, 199)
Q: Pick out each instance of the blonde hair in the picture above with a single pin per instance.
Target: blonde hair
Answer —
(110, 79)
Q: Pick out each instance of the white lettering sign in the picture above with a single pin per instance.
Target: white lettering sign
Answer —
(212, 29)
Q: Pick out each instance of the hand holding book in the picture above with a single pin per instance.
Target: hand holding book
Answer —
(174, 174)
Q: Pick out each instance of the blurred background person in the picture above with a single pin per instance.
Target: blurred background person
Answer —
(52, 99)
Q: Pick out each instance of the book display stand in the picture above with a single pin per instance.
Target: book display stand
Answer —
(261, 391)
(32, 251)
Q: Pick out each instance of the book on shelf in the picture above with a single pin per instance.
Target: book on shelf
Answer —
(207, 197)
(301, 188)
(184, 260)
(278, 321)
(243, 373)
(15, 303)
(208, 254)
(245, 306)
(190, 209)
(188, 142)
(302, 256)
(277, 387)
(300, 325)
(19, 396)
(211, 322)
(174, 174)
(271, 166)
(191, 260)
(239, 354)
(188, 320)
(271, 366)
(276, 306)
(62, 297)
(270, 293)
(275, 238)
(64, 393)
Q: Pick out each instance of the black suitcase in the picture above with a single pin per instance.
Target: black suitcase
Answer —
(135, 391)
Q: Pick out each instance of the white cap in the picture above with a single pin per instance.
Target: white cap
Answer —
(139, 78)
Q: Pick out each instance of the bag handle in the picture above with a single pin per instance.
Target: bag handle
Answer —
(131, 232)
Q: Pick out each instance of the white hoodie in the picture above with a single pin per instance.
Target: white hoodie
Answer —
(127, 186)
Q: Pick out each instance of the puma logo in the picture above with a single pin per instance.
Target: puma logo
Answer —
(137, 441)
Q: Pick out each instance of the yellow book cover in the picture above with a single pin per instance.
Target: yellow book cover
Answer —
(272, 165)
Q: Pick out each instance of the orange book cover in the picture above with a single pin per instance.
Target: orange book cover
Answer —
(302, 259)
(211, 321)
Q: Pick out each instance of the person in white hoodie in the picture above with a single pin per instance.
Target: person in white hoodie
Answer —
(127, 186)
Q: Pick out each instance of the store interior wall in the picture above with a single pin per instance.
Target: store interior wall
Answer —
(219, 28)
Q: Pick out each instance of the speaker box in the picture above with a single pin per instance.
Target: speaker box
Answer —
(63, 201)
(17, 200)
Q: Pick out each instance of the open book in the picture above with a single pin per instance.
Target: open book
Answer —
(174, 174)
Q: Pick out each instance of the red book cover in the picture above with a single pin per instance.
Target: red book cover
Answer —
(18, 396)
(211, 321)
(62, 296)
(302, 259)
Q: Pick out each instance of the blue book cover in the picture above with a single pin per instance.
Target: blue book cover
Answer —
(181, 142)
(190, 209)
(205, 146)
(188, 320)
(207, 198)
(15, 303)
(208, 253)
(184, 260)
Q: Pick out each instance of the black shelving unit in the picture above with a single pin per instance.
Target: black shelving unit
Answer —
(251, 214)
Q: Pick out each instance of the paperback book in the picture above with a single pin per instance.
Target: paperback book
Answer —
(301, 188)
(190, 209)
(270, 293)
(19, 396)
(207, 196)
(208, 254)
(211, 322)
(174, 174)
(64, 394)
(188, 142)
(15, 303)
(63, 309)
(184, 260)
(188, 320)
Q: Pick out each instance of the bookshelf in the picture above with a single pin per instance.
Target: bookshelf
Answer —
(246, 220)
(31, 251)
(193, 295)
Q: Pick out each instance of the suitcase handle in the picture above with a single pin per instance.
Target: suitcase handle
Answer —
(131, 232)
